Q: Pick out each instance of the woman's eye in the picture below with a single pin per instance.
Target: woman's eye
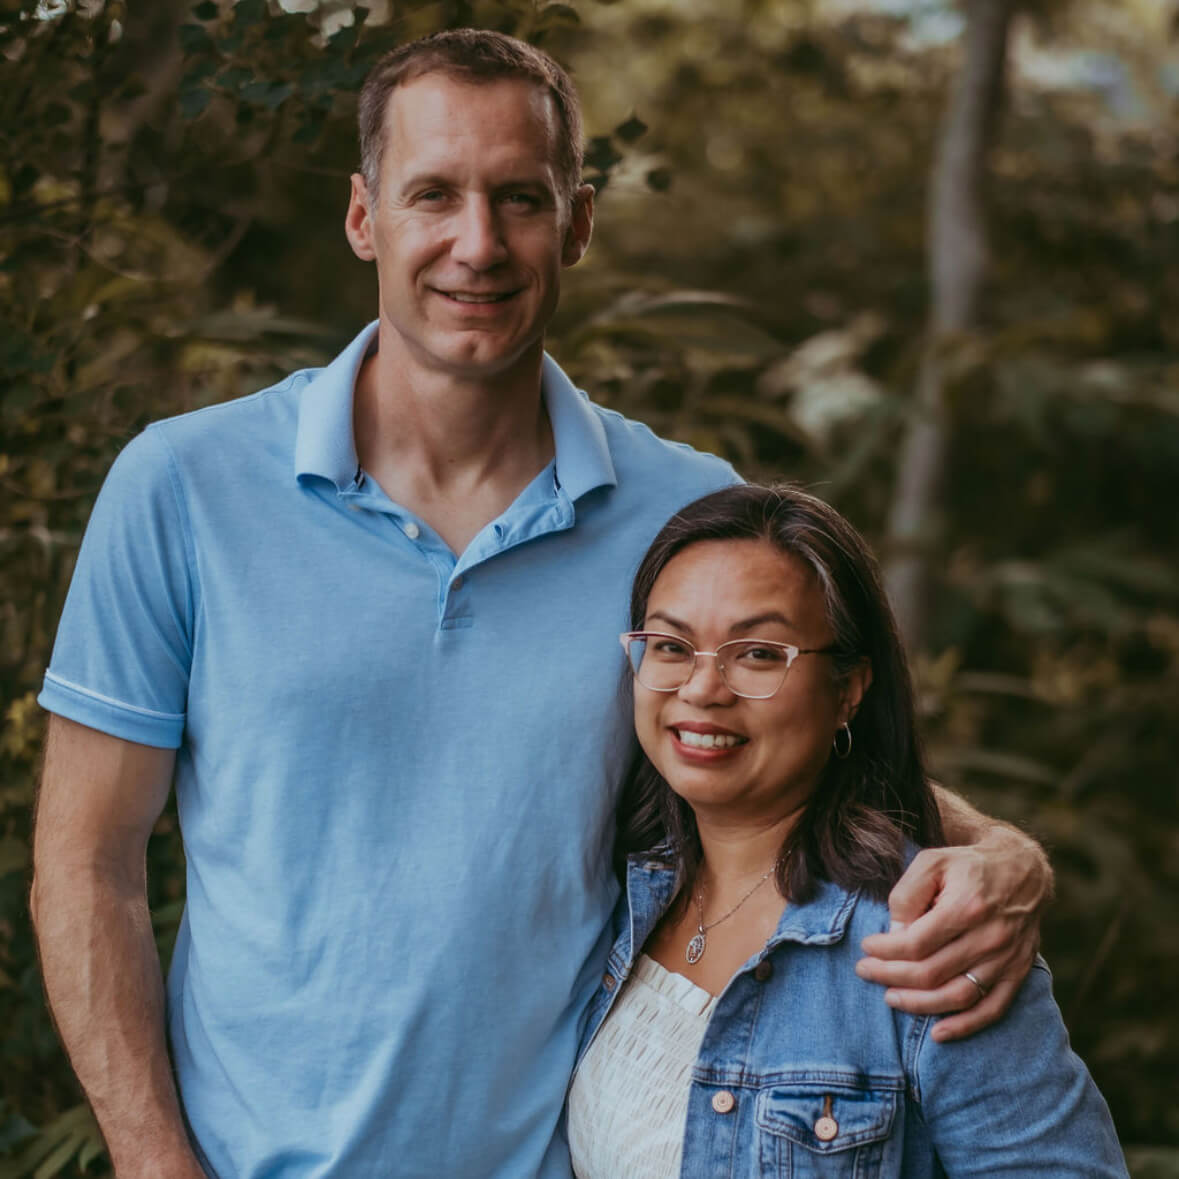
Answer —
(668, 648)
(771, 655)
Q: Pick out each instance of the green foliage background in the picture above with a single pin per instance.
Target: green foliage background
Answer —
(172, 185)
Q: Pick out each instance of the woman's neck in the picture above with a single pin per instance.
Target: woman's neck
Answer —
(734, 854)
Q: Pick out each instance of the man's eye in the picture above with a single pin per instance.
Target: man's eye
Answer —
(432, 195)
(522, 200)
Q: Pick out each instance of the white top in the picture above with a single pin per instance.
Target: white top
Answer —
(629, 1098)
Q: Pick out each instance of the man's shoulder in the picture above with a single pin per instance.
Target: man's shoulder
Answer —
(251, 433)
(639, 453)
(241, 422)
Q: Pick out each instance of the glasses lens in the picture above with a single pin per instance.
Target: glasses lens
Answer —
(753, 669)
(661, 662)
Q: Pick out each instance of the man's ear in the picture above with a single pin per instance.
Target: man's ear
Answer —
(358, 226)
(581, 226)
(857, 683)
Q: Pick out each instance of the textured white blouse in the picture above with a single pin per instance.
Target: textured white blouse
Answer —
(629, 1098)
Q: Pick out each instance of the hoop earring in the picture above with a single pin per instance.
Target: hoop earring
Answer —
(845, 752)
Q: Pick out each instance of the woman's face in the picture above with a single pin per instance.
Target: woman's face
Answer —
(766, 755)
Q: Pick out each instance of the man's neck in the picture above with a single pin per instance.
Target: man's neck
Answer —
(454, 451)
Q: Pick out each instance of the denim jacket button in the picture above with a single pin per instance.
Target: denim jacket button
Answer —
(609, 981)
(723, 1102)
(764, 970)
(826, 1128)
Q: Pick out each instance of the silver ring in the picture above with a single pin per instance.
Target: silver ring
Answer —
(982, 991)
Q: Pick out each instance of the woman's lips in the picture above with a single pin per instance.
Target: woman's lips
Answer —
(706, 742)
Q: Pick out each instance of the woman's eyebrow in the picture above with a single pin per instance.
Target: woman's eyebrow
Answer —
(744, 626)
(747, 624)
(674, 623)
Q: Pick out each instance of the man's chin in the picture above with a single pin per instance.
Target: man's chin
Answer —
(480, 355)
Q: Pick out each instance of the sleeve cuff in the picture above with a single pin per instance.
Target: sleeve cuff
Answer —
(126, 721)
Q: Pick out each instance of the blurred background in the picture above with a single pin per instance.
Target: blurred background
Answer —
(919, 255)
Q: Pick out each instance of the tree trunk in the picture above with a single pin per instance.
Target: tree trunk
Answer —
(956, 261)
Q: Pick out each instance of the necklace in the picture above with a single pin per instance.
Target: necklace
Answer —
(699, 941)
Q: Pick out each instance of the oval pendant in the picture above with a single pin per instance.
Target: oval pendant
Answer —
(695, 950)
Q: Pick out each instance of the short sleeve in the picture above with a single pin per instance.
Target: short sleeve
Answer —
(1015, 1099)
(123, 651)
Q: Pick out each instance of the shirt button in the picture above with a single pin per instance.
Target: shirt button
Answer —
(764, 970)
(609, 981)
(723, 1102)
(412, 530)
(457, 584)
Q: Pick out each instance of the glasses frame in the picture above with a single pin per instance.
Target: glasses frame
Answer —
(792, 653)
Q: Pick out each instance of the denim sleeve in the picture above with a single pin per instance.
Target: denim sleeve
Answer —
(123, 651)
(1015, 1099)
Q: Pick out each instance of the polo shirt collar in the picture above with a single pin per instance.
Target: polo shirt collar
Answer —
(579, 438)
(325, 445)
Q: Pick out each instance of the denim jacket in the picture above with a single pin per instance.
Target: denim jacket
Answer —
(805, 1071)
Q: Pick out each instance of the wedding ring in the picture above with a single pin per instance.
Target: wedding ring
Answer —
(982, 991)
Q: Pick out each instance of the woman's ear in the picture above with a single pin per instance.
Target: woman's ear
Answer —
(855, 685)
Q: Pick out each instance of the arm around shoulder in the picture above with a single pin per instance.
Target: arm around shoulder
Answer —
(100, 797)
(972, 906)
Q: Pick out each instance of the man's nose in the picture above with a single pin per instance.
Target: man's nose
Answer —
(706, 685)
(478, 240)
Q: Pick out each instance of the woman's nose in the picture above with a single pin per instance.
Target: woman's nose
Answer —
(705, 684)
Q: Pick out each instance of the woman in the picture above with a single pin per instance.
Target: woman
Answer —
(778, 796)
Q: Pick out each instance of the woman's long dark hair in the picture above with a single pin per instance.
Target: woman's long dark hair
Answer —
(854, 826)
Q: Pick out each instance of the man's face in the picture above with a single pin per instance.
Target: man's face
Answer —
(470, 229)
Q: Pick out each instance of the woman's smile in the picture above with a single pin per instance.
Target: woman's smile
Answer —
(696, 739)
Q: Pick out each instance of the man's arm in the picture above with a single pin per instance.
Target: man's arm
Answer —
(100, 797)
(970, 907)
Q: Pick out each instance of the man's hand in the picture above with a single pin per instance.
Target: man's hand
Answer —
(959, 909)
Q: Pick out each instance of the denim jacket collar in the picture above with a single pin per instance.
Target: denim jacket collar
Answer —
(651, 883)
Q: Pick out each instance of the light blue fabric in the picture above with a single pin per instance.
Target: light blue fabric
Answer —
(396, 792)
(796, 1025)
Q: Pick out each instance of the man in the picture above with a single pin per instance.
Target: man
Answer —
(367, 620)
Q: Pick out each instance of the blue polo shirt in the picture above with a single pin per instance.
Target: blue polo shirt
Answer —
(396, 771)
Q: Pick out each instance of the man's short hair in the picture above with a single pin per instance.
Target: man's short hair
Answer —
(469, 55)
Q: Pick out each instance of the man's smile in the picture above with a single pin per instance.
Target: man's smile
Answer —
(475, 297)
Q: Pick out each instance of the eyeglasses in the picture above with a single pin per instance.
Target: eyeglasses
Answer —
(752, 668)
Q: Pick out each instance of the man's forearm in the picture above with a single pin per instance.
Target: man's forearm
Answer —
(963, 825)
(1024, 862)
(102, 978)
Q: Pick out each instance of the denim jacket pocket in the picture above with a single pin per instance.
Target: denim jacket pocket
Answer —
(826, 1127)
